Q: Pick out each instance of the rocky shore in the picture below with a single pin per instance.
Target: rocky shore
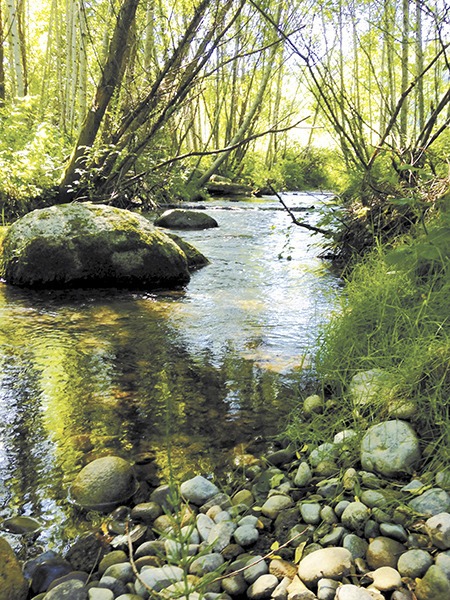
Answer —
(295, 525)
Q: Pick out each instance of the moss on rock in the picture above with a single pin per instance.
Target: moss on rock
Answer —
(84, 244)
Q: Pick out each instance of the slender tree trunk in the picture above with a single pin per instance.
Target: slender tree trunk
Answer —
(243, 129)
(2, 65)
(405, 72)
(16, 54)
(109, 82)
(419, 67)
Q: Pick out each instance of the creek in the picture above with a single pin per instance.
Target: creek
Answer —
(184, 378)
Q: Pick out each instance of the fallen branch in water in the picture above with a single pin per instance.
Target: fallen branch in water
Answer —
(293, 217)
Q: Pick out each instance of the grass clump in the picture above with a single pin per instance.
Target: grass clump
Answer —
(393, 316)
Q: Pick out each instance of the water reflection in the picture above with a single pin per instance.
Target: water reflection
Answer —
(84, 373)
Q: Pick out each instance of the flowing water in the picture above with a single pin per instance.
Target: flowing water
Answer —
(196, 373)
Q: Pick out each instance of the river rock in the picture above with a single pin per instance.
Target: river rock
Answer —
(222, 186)
(13, 585)
(297, 590)
(384, 552)
(68, 590)
(356, 545)
(324, 452)
(198, 490)
(310, 512)
(434, 585)
(303, 475)
(86, 244)
(194, 257)
(431, 502)
(255, 567)
(352, 592)
(113, 558)
(275, 504)
(332, 563)
(206, 564)
(326, 589)
(246, 535)
(414, 563)
(158, 578)
(235, 585)
(390, 448)
(96, 593)
(263, 587)
(220, 535)
(438, 528)
(368, 387)
(180, 218)
(355, 516)
(21, 525)
(385, 579)
(122, 571)
(104, 483)
(314, 404)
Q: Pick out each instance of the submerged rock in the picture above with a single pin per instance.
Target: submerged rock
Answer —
(86, 244)
(179, 218)
(104, 483)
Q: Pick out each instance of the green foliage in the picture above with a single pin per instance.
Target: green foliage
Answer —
(31, 154)
(394, 316)
(297, 168)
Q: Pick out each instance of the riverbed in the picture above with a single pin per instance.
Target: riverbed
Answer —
(186, 379)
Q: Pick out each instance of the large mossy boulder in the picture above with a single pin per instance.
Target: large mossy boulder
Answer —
(13, 585)
(91, 245)
(180, 218)
(104, 483)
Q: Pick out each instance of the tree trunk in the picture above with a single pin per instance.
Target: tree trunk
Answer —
(2, 67)
(109, 82)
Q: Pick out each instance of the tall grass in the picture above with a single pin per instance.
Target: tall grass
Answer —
(394, 315)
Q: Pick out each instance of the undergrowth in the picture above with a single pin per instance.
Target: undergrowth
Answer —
(394, 315)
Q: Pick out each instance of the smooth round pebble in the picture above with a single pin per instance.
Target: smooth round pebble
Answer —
(352, 592)
(384, 552)
(355, 516)
(96, 593)
(310, 512)
(386, 579)
(332, 563)
(414, 563)
(263, 587)
(246, 535)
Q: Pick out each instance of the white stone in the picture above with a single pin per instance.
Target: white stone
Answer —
(204, 526)
(263, 587)
(386, 579)
(332, 563)
(352, 592)
(438, 528)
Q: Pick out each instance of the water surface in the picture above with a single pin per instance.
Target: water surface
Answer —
(200, 371)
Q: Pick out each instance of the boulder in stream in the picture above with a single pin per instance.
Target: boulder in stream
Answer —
(180, 218)
(104, 483)
(91, 245)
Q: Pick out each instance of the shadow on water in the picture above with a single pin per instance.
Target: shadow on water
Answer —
(88, 373)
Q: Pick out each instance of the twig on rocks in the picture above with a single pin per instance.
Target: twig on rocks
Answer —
(151, 591)
(266, 556)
